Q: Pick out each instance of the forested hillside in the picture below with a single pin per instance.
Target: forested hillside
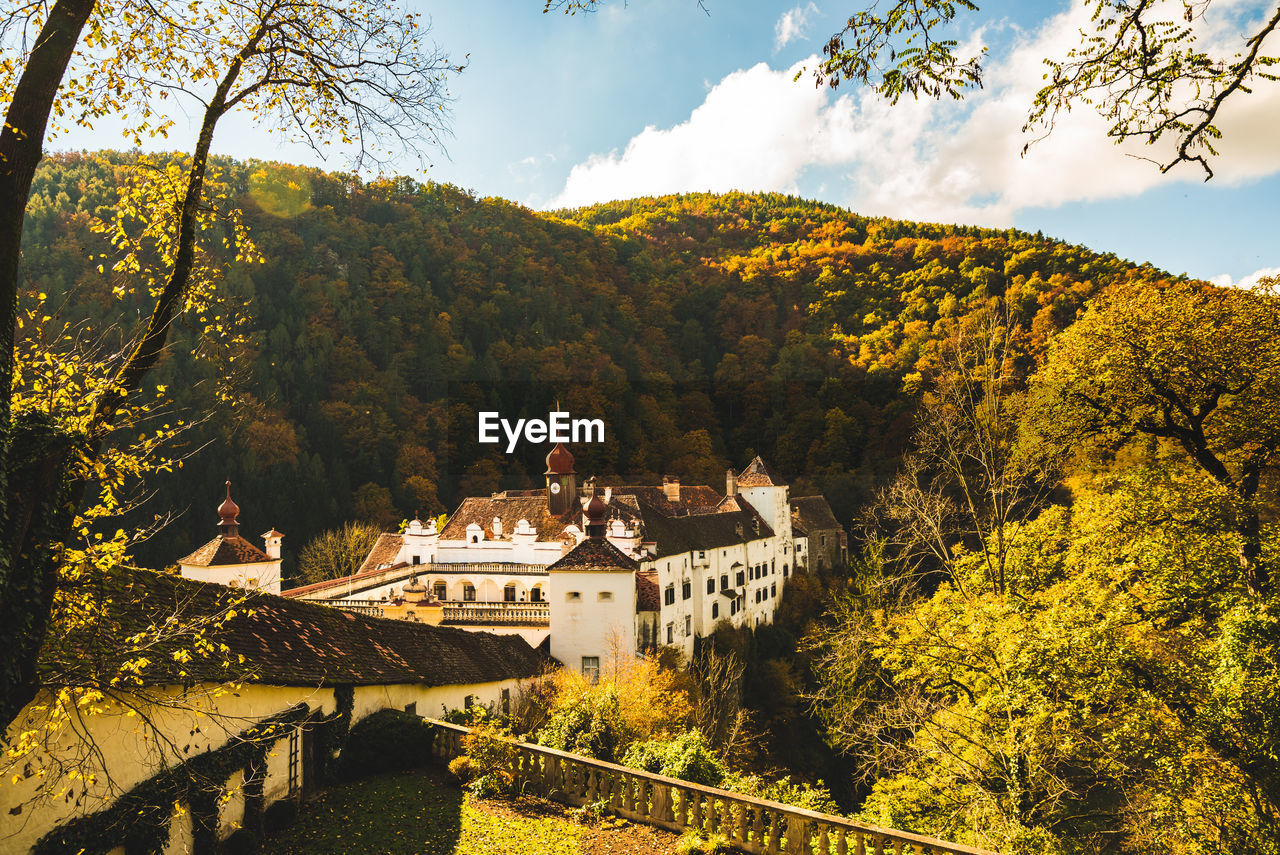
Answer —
(703, 330)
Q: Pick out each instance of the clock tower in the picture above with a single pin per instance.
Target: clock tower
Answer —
(562, 482)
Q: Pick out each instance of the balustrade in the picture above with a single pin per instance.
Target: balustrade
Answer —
(751, 825)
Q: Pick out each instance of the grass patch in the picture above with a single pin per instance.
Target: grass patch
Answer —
(416, 814)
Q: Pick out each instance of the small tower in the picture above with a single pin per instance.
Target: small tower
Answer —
(562, 482)
(231, 560)
(593, 598)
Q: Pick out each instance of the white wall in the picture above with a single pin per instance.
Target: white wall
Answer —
(263, 576)
(590, 625)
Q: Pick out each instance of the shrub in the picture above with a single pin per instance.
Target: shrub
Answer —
(590, 724)
(687, 757)
(783, 790)
(279, 816)
(386, 741)
(242, 841)
(693, 843)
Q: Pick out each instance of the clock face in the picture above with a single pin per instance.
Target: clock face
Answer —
(555, 487)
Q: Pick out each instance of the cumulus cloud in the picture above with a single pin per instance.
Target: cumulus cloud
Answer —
(1227, 281)
(757, 130)
(791, 25)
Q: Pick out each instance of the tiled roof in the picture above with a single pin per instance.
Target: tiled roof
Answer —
(294, 643)
(384, 552)
(691, 496)
(758, 475)
(510, 509)
(224, 550)
(595, 555)
(813, 513)
(648, 598)
(356, 582)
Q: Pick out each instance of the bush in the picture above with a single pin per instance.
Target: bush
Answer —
(687, 757)
(589, 724)
(784, 791)
(242, 841)
(693, 843)
(279, 816)
(386, 741)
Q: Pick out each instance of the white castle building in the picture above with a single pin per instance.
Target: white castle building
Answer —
(523, 561)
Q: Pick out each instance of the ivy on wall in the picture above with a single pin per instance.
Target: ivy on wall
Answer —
(141, 819)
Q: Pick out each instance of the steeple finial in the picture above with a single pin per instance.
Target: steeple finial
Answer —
(228, 525)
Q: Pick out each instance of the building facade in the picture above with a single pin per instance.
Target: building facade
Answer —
(700, 557)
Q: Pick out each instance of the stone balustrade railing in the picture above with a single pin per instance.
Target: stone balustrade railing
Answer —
(749, 824)
(504, 613)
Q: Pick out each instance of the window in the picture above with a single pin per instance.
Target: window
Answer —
(773, 566)
(605, 597)
(711, 586)
(773, 589)
(475, 538)
(469, 593)
(573, 597)
(724, 582)
(411, 709)
(417, 559)
(784, 571)
(742, 579)
(671, 633)
(441, 591)
(702, 554)
(591, 668)
(715, 610)
(733, 607)
(669, 595)
(688, 625)
(509, 593)
(295, 761)
(535, 596)
(506, 702)
(686, 589)
(757, 595)
(824, 540)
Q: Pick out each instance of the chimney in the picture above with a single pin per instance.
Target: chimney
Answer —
(497, 527)
(730, 483)
(272, 540)
(671, 488)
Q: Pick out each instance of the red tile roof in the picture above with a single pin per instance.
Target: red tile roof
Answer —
(226, 550)
(595, 555)
(293, 643)
(758, 475)
(384, 552)
(648, 599)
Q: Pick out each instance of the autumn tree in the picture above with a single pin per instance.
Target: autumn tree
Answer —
(1182, 363)
(967, 483)
(337, 553)
(347, 71)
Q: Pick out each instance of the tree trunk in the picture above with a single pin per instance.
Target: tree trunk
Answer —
(33, 452)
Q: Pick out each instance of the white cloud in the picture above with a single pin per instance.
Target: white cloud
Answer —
(791, 25)
(1225, 280)
(925, 160)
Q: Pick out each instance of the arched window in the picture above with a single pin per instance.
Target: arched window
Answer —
(468, 592)
(509, 593)
(715, 610)
(441, 591)
(535, 596)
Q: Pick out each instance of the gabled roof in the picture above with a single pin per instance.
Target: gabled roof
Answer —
(226, 550)
(648, 599)
(510, 508)
(812, 513)
(758, 475)
(294, 643)
(384, 552)
(595, 555)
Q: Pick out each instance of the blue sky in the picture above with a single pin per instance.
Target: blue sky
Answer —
(656, 96)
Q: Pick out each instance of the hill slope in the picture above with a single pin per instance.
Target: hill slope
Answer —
(703, 329)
